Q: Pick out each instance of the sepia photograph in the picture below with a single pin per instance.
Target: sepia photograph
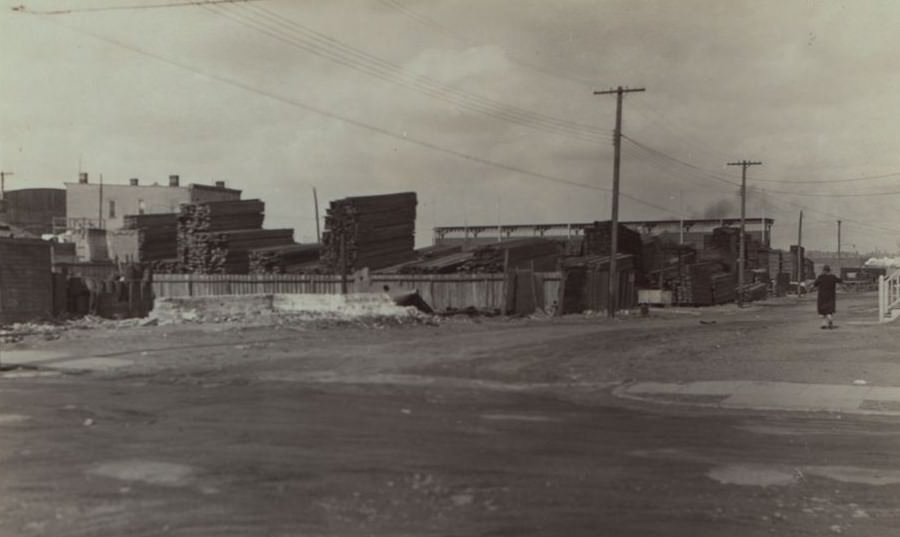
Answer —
(449, 268)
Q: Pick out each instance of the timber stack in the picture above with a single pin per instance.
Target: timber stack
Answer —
(288, 259)
(145, 238)
(598, 241)
(537, 253)
(217, 237)
(369, 232)
(694, 286)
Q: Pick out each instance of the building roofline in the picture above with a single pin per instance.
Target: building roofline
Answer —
(214, 187)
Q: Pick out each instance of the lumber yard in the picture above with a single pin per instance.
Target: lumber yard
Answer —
(555, 268)
(686, 262)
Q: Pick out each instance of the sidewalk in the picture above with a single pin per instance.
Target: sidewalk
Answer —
(761, 395)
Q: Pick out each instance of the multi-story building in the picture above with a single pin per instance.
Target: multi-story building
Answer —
(103, 205)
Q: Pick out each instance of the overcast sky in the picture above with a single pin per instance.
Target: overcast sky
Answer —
(485, 108)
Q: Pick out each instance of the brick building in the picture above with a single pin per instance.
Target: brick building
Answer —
(85, 199)
(26, 289)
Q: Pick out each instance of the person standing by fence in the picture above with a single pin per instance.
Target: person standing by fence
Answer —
(826, 301)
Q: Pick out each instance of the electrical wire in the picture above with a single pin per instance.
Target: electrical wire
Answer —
(129, 7)
(357, 123)
(300, 36)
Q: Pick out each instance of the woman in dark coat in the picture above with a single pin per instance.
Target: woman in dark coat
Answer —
(826, 283)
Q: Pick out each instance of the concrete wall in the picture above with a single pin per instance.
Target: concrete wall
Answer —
(26, 290)
(33, 209)
(82, 200)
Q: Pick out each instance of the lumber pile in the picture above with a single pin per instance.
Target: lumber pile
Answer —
(694, 285)
(284, 259)
(166, 266)
(228, 252)
(144, 238)
(598, 241)
(369, 231)
(221, 216)
(541, 254)
(217, 237)
(724, 289)
(754, 291)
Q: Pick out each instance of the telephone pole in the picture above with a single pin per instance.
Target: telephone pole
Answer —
(840, 264)
(799, 252)
(742, 255)
(318, 229)
(3, 184)
(614, 216)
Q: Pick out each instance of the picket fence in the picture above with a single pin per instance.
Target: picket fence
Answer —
(441, 291)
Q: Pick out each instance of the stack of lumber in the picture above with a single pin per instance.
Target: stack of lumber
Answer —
(221, 216)
(287, 259)
(144, 238)
(369, 232)
(228, 252)
(789, 262)
(537, 253)
(166, 266)
(775, 265)
(694, 285)
(598, 241)
(217, 237)
(428, 260)
(754, 291)
(724, 289)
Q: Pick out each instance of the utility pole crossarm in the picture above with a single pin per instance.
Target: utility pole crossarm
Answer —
(620, 89)
(742, 254)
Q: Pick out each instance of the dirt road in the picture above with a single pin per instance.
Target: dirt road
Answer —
(491, 428)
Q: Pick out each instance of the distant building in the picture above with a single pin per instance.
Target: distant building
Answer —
(33, 209)
(92, 205)
(689, 231)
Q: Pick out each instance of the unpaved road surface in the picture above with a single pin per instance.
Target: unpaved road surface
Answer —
(490, 428)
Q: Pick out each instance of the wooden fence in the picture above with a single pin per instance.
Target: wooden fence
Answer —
(441, 291)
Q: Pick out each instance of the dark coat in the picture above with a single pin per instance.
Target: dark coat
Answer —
(827, 286)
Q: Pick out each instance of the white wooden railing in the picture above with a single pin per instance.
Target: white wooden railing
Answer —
(889, 297)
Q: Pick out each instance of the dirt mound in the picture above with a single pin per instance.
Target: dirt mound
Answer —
(369, 309)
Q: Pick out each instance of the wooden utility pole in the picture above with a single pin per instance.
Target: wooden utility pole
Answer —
(799, 252)
(742, 255)
(318, 229)
(839, 248)
(3, 184)
(100, 210)
(614, 216)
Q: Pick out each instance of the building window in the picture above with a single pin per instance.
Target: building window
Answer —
(141, 207)
(112, 208)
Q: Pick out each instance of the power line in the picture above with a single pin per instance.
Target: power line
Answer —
(711, 175)
(359, 124)
(660, 120)
(300, 36)
(130, 7)
(721, 178)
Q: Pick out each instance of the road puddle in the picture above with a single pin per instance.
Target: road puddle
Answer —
(517, 417)
(851, 474)
(753, 475)
(9, 419)
(30, 356)
(150, 472)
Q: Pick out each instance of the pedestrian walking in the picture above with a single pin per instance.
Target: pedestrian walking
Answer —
(826, 284)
